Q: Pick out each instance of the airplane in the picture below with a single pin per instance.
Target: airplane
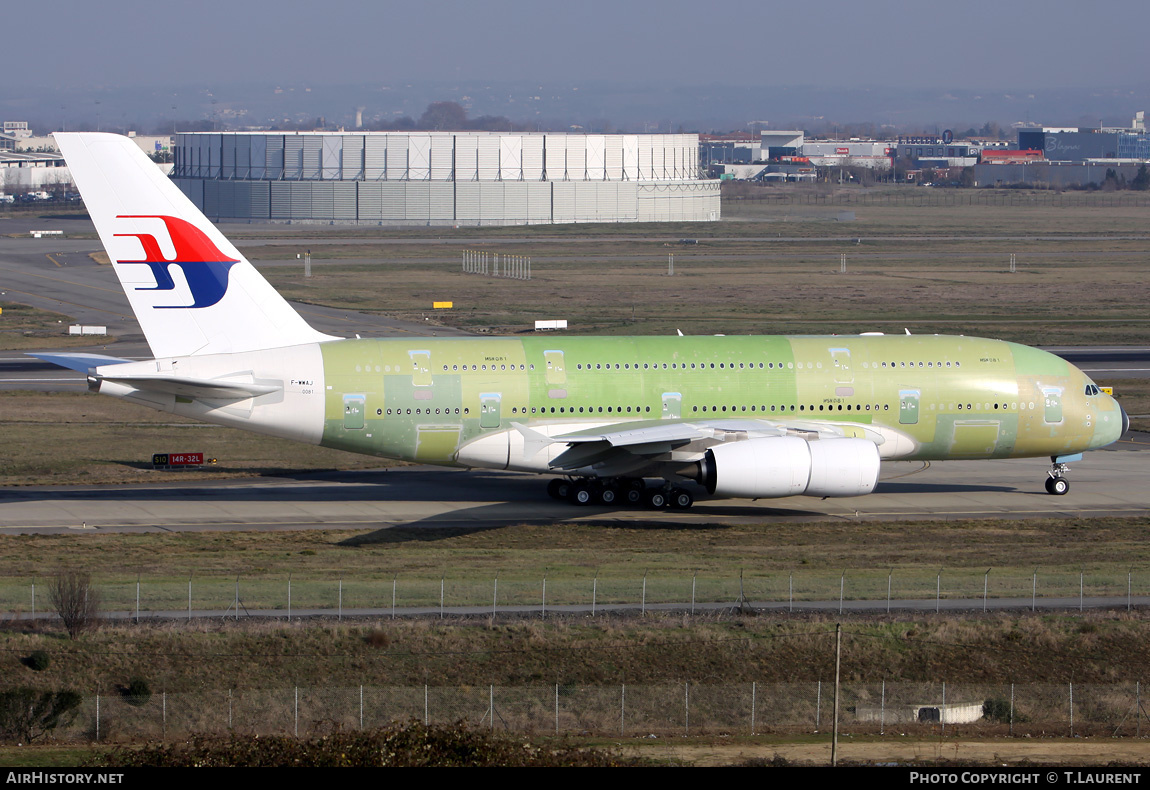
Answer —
(614, 420)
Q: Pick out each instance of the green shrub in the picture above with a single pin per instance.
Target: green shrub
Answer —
(137, 692)
(38, 661)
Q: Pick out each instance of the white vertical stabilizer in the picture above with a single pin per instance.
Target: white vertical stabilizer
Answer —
(191, 290)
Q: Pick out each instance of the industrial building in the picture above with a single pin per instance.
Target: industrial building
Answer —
(444, 178)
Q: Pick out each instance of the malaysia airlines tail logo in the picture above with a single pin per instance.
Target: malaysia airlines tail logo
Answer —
(205, 268)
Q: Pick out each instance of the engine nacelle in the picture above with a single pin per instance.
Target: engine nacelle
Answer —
(791, 466)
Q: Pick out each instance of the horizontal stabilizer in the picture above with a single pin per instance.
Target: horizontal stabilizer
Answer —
(218, 389)
(82, 363)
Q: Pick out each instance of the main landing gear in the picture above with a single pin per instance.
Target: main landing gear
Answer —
(613, 492)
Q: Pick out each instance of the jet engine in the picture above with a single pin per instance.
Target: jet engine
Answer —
(790, 466)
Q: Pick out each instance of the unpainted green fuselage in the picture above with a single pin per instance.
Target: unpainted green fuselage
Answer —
(422, 399)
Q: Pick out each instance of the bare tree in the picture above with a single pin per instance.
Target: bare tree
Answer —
(76, 601)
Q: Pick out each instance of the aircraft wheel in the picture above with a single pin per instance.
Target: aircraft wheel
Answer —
(1057, 485)
(608, 495)
(633, 491)
(581, 494)
(655, 498)
(558, 488)
(681, 499)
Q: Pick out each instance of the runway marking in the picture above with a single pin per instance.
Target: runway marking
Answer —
(49, 257)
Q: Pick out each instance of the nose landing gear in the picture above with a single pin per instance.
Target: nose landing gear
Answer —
(1056, 482)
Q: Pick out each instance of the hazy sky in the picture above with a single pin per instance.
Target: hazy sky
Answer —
(973, 44)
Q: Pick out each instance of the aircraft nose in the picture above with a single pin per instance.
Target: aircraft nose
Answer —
(1125, 420)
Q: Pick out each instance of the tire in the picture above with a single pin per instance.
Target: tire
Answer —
(581, 494)
(656, 498)
(1059, 486)
(608, 495)
(556, 488)
(681, 499)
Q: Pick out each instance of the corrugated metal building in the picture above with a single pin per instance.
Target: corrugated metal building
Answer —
(444, 178)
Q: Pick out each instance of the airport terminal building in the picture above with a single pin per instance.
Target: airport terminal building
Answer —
(444, 178)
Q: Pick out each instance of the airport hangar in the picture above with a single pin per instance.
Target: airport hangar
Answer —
(444, 178)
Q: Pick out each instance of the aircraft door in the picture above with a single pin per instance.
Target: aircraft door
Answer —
(908, 406)
(489, 404)
(1052, 396)
(672, 405)
(841, 360)
(556, 372)
(353, 412)
(420, 368)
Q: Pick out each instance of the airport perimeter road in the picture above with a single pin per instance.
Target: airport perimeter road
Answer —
(1107, 482)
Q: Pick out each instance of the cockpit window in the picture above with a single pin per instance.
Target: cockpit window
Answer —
(1092, 389)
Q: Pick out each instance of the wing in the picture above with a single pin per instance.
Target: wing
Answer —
(630, 448)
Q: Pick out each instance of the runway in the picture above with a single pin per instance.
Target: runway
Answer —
(1108, 482)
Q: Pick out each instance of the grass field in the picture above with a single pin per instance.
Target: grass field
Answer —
(767, 269)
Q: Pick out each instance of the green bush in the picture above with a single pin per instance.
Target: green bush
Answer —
(38, 661)
(137, 692)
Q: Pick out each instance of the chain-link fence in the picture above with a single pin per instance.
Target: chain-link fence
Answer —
(966, 710)
(834, 591)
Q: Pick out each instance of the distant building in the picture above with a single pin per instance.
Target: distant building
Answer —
(444, 178)
(17, 129)
(871, 154)
(944, 151)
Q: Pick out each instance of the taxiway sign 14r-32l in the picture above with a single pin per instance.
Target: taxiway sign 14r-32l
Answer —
(749, 417)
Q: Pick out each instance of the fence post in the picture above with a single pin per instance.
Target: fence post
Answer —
(752, 707)
(137, 599)
(426, 709)
(1012, 710)
(687, 708)
(97, 715)
(289, 599)
(189, 597)
(1071, 710)
(556, 708)
(297, 711)
(985, 586)
(842, 585)
(622, 707)
(594, 592)
(693, 577)
(882, 710)
(891, 573)
(818, 705)
(643, 605)
(544, 617)
(340, 617)
(440, 597)
(495, 597)
(393, 578)
(361, 706)
(164, 713)
(33, 600)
